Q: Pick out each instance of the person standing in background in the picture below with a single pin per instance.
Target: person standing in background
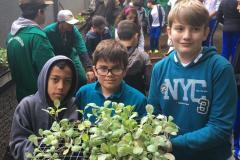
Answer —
(212, 7)
(67, 40)
(229, 16)
(156, 22)
(28, 47)
(130, 13)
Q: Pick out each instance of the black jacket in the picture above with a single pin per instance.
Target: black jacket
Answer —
(229, 16)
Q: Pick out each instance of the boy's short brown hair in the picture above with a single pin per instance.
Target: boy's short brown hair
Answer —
(111, 50)
(127, 29)
(191, 12)
(98, 21)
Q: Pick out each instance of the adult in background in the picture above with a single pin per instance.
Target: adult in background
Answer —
(28, 47)
(229, 15)
(67, 40)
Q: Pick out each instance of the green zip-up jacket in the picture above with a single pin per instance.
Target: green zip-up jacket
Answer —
(72, 46)
(28, 48)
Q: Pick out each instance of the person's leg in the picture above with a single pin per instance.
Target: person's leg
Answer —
(158, 33)
(225, 44)
(156, 39)
(151, 38)
(235, 39)
(237, 132)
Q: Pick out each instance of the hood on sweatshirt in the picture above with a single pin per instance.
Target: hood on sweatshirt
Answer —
(44, 76)
(204, 54)
(21, 23)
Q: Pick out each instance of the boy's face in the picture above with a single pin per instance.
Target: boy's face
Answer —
(187, 39)
(100, 29)
(59, 83)
(109, 80)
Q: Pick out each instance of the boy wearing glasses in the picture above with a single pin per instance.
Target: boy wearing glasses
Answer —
(110, 62)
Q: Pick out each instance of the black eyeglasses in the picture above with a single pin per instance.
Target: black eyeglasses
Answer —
(104, 71)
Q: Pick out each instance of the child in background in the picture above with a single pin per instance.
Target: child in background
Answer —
(110, 62)
(139, 65)
(130, 13)
(156, 22)
(196, 86)
(99, 31)
(56, 81)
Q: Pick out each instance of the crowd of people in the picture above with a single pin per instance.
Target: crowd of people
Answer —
(194, 83)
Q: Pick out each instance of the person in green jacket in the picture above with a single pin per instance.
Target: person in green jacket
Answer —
(28, 47)
(67, 40)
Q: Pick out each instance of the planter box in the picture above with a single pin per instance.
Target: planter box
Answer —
(73, 156)
(5, 77)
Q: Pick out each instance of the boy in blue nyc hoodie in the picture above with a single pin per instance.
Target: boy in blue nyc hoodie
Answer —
(196, 86)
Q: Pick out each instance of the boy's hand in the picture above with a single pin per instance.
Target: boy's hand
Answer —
(90, 76)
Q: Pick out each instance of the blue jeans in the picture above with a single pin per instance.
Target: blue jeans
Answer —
(237, 132)
(229, 44)
(155, 33)
(212, 28)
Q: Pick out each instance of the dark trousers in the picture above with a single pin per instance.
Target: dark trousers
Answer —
(229, 44)
(212, 28)
(155, 33)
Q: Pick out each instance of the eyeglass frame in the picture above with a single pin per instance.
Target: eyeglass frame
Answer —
(109, 70)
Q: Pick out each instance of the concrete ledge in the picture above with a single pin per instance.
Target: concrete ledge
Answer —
(5, 79)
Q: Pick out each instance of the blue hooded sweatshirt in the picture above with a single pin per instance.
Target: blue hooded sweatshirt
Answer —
(202, 98)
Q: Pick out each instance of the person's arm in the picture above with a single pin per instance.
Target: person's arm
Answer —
(154, 92)
(163, 16)
(83, 55)
(20, 131)
(141, 41)
(90, 44)
(42, 51)
(222, 110)
(147, 71)
(214, 13)
(220, 14)
(81, 48)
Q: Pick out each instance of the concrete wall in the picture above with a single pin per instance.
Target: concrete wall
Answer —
(10, 11)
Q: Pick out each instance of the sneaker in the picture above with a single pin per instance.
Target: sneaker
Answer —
(156, 51)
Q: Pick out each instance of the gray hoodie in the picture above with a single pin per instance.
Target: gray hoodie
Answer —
(21, 23)
(29, 116)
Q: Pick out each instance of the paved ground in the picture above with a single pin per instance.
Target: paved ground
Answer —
(7, 106)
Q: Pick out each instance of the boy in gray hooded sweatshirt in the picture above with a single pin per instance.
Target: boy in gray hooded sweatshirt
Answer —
(56, 81)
